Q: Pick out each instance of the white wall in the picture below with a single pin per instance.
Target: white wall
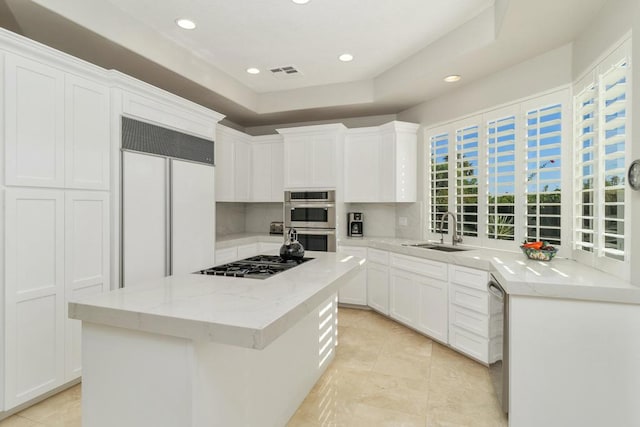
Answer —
(230, 218)
(259, 216)
(379, 218)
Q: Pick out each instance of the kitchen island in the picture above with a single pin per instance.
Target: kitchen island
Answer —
(198, 350)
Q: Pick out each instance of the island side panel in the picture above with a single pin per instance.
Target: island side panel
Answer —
(573, 363)
(132, 378)
(237, 386)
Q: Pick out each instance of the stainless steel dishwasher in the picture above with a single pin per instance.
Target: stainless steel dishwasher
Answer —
(499, 370)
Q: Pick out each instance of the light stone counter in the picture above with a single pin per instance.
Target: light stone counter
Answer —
(230, 240)
(243, 312)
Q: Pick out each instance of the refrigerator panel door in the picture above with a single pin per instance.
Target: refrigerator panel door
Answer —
(193, 229)
(144, 207)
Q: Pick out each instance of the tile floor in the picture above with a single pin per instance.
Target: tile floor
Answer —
(383, 375)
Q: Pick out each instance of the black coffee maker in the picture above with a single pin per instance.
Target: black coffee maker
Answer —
(355, 224)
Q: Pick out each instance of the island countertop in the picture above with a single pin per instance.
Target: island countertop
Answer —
(244, 312)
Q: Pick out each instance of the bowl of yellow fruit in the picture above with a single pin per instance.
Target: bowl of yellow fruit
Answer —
(539, 251)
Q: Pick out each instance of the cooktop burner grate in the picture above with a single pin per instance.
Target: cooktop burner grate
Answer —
(255, 267)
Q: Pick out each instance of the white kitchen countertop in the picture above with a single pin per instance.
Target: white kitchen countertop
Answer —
(558, 278)
(230, 240)
(244, 312)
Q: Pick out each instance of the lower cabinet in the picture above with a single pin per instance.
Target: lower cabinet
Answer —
(378, 287)
(419, 302)
(355, 292)
(57, 248)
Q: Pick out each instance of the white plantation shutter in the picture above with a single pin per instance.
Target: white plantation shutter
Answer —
(467, 178)
(501, 161)
(544, 177)
(439, 180)
(613, 125)
(585, 161)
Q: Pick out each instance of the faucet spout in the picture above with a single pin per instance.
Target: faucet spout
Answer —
(454, 236)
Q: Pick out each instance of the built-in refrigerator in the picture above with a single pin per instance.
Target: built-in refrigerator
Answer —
(167, 203)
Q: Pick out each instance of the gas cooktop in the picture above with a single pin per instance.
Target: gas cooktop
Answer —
(255, 267)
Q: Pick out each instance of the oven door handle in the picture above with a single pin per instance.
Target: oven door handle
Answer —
(311, 205)
(315, 231)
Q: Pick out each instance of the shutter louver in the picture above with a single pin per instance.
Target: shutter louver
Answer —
(501, 178)
(584, 184)
(439, 159)
(467, 140)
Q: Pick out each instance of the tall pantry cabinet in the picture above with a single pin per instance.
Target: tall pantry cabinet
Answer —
(55, 221)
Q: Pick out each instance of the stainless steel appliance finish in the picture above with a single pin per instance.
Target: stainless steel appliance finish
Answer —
(355, 224)
(317, 239)
(255, 267)
(312, 209)
(499, 370)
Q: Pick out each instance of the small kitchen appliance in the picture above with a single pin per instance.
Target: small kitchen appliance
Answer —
(276, 227)
(355, 224)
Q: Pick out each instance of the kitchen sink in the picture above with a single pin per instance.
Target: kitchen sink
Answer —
(437, 247)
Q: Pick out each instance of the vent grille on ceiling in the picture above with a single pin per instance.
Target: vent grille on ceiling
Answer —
(286, 72)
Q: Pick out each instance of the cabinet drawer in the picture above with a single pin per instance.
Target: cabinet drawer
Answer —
(469, 343)
(470, 320)
(435, 269)
(378, 256)
(358, 251)
(471, 277)
(469, 298)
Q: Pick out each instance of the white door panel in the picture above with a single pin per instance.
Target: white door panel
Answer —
(144, 217)
(193, 217)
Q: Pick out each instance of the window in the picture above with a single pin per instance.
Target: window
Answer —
(467, 176)
(439, 198)
(506, 182)
(501, 154)
(601, 143)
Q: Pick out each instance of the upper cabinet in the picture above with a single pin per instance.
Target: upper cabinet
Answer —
(233, 165)
(57, 127)
(380, 163)
(312, 156)
(267, 161)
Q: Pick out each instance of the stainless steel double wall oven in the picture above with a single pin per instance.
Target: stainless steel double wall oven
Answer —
(313, 214)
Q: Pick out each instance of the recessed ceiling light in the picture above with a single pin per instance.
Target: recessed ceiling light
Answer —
(300, 1)
(452, 78)
(345, 57)
(253, 70)
(186, 24)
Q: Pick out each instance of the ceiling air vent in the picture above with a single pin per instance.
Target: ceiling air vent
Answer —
(286, 72)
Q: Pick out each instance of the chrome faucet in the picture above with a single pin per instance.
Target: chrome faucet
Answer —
(454, 237)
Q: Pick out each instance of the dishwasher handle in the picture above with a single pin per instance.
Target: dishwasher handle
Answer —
(496, 290)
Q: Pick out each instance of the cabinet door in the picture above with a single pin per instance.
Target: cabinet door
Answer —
(362, 167)
(387, 168)
(323, 162)
(378, 287)
(34, 291)
(225, 161)
(193, 211)
(433, 315)
(86, 262)
(277, 172)
(296, 167)
(87, 135)
(34, 120)
(261, 172)
(403, 297)
(355, 291)
(144, 219)
(242, 170)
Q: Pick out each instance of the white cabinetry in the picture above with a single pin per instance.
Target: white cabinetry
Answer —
(34, 120)
(354, 292)
(418, 294)
(35, 295)
(267, 175)
(57, 127)
(471, 316)
(380, 163)
(86, 262)
(313, 156)
(233, 165)
(378, 280)
(226, 255)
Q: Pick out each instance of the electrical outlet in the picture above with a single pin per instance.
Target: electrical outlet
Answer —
(403, 221)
